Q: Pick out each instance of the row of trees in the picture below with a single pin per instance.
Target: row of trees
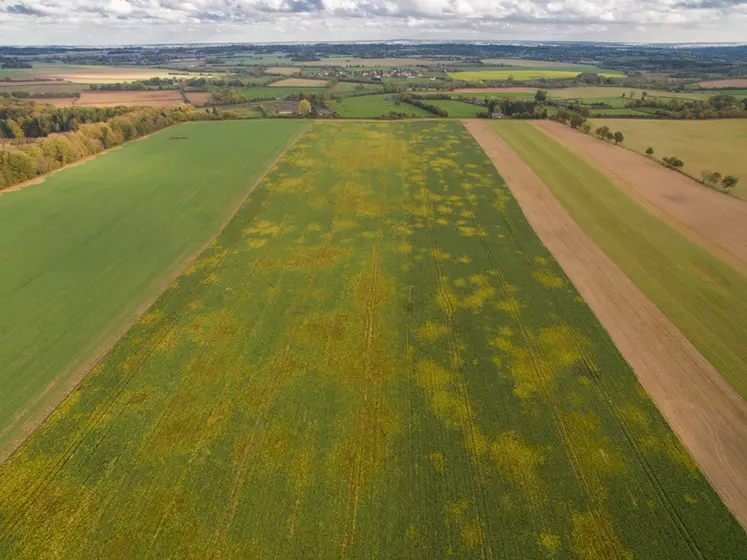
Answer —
(716, 107)
(418, 102)
(27, 119)
(22, 162)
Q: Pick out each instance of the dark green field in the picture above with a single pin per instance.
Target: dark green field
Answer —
(82, 252)
(377, 358)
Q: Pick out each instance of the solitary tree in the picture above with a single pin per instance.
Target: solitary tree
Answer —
(540, 96)
(609, 135)
(602, 131)
(649, 151)
(729, 182)
(304, 107)
(586, 127)
(619, 137)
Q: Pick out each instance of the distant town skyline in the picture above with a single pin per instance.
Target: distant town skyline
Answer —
(111, 22)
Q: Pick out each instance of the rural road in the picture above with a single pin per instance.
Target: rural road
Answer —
(716, 220)
(702, 409)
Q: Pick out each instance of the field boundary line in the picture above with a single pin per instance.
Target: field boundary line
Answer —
(736, 257)
(127, 319)
(707, 415)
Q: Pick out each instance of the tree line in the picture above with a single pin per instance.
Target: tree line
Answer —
(22, 162)
(26, 119)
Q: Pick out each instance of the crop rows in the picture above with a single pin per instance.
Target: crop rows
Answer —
(376, 358)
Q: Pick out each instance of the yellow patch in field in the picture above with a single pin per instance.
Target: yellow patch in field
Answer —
(257, 243)
(548, 279)
(594, 538)
(437, 460)
(152, 317)
(405, 248)
(431, 331)
(518, 464)
(313, 227)
(468, 231)
(549, 542)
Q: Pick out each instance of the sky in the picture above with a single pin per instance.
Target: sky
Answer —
(112, 22)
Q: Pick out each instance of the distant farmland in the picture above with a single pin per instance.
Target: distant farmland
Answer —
(376, 358)
(82, 252)
(713, 145)
(520, 74)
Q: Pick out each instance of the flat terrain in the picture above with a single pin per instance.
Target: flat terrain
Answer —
(702, 295)
(703, 410)
(735, 83)
(496, 90)
(712, 145)
(156, 98)
(352, 61)
(299, 82)
(82, 252)
(376, 358)
(719, 221)
(41, 87)
(372, 106)
(524, 74)
(199, 98)
(590, 93)
(457, 108)
(283, 70)
(90, 74)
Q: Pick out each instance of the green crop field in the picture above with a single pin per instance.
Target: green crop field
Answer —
(710, 145)
(376, 359)
(83, 251)
(352, 88)
(457, 108)
(276, 92)
(703, 296)
(372, 106)
(525, 74)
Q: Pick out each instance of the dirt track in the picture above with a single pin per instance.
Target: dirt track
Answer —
(714, 219)
(702, 409)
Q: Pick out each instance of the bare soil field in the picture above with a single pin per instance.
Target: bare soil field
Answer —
(199, 98)
(702, 409)
(155, 98)
(496, 90)
(737, 83)
(716, 220)
(299, 82)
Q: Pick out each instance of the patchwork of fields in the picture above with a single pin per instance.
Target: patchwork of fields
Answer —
(84, 251)
(376, 358)
(372, 106)
(713, 145)
(702, 295)
(521, 74)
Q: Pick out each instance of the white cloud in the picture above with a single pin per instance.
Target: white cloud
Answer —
(59, 21)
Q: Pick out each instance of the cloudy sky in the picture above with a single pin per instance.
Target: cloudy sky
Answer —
(175, 21)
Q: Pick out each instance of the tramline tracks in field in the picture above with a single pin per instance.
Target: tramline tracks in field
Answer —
(354, 486)
(624, 430)
(457, 365)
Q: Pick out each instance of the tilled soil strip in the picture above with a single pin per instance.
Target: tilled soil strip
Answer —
(718, 220)
(702, 409)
